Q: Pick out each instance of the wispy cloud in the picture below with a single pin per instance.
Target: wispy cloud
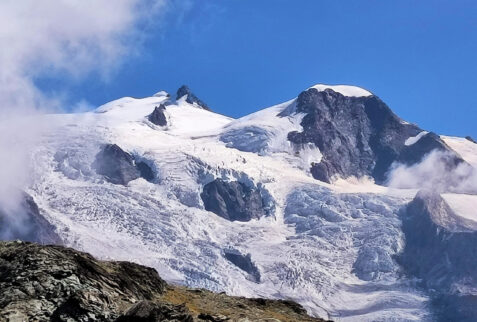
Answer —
(435, 172)
(63, 38)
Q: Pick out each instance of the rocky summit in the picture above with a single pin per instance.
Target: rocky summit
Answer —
(190, 97)
(53, 283)
(358, 136)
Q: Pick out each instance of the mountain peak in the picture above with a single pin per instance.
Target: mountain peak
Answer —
(184, 90)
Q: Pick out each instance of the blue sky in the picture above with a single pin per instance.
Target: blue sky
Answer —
(240, 56)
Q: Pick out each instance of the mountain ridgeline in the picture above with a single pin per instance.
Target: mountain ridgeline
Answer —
(261, 206)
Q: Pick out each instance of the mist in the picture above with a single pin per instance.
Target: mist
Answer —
(435, 173)
(63, 38)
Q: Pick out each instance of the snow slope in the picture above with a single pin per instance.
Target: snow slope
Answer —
(328, 247)
(466, 148)
(346, 90)
(463, 205)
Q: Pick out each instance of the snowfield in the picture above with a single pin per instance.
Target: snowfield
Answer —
(330, 247)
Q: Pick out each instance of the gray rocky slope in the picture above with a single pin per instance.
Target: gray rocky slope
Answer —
(52, 283)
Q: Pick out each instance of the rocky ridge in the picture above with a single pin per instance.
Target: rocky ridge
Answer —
(52, 283)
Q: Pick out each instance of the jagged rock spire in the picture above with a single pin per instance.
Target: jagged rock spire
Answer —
(157, 116)
(191, 98)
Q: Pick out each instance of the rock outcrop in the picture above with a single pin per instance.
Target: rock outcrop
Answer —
(119, 167)
(157, 116)
(191, 98)
(358, 136)
(52, 283)
(440, 251)
(244, 262)
(233, 200)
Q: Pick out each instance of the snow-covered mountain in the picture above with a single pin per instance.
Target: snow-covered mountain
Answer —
(304, 200)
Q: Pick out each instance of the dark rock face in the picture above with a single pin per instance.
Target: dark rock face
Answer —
(191, 98)
(119, 167)
(116, 165)
(244, 262)
(53, 283)
(358, 135)
(26, 223)
(145, 171)
(157, 116)
(233, 200)
(440, 250)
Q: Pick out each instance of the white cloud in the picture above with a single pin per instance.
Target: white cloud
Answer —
(73, 37)
(64, 38)
(435, 172)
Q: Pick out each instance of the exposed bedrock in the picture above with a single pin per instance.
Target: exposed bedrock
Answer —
(119, 167)
(25, 222)
(52, 283)
(157, 116)
(244, 262)
(191, 98)
(358, 136)
(441, 250)
(233, 200)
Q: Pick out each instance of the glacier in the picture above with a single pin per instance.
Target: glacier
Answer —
(332, 247)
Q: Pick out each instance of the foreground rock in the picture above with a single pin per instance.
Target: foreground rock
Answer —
(52, 283)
